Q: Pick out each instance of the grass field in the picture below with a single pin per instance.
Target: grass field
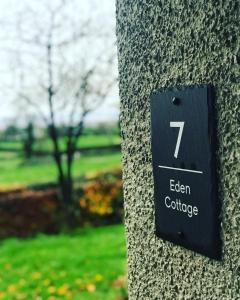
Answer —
(87, 264)
(14, 170)
(84, 142)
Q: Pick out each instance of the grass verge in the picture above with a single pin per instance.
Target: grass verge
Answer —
(85, 264)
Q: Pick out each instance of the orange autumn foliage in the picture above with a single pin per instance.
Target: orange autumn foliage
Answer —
(98, 197)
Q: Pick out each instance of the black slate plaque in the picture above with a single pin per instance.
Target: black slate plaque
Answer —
(183, 152)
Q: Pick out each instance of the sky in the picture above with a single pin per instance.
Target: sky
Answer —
(101, 17)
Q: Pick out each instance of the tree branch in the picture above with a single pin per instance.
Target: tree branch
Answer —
(35, 106)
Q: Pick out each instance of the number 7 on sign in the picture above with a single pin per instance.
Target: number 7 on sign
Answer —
(180, 125)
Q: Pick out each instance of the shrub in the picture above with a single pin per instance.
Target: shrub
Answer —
(24, 213)
(27, 211)
(101, 202)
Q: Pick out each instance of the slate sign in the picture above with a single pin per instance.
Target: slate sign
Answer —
(183, 152)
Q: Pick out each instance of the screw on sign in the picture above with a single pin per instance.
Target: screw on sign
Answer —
(185, 185)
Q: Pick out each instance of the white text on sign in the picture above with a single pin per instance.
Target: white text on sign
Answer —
(177, 204)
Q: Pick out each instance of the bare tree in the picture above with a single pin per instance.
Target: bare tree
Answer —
(64, 66)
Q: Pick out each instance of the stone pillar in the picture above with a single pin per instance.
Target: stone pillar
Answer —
(162, 44)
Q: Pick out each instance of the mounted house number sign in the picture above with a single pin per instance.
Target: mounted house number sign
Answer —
(183, 155)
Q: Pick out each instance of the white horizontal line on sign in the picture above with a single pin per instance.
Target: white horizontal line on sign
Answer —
(179, 169)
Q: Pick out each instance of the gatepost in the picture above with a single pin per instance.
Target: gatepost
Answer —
(180, 121)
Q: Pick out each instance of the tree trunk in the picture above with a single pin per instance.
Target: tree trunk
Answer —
(65, 183)
(28, 141)
(68, 203)
(66, 190)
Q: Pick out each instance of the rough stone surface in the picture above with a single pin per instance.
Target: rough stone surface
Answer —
(161, 44)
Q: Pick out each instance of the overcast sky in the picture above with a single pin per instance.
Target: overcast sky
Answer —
(103, 14)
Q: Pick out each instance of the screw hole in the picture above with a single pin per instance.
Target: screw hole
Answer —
(180, 234)
(175, 101)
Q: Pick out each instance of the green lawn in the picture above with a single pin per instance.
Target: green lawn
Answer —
(14, 170)
(87, 264)
(84, 142)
